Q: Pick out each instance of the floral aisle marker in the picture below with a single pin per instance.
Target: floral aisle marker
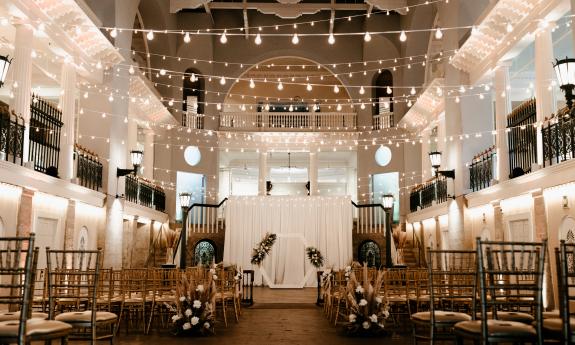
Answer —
(262, 249)
(368, 308)
(314, 256)
(195, 307)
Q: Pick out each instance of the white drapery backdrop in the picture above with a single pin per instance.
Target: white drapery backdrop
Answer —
(322, 222)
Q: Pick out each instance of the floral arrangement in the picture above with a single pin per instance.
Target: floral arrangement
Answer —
(195, 307)
(263, 248)
(314, 256)
(368, 309)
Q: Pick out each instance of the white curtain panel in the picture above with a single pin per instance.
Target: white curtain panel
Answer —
(322, 222)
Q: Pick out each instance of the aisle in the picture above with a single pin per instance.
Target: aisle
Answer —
(279, 317)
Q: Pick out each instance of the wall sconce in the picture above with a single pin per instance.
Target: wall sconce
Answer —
(565, 201)
(435, 158)
(136, 158)
(4, 65)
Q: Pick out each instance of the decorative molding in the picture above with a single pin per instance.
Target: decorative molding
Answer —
(146, 104)
(428, 213)
(426, 109)
(490, 41)
(132, 209)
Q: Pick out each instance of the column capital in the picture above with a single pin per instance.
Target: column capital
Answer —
(503, 64)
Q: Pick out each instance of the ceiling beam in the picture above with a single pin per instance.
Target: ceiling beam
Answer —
(246, 23)
(209, 11)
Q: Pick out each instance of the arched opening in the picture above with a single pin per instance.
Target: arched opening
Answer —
(193, 99)
(205, 252)
(567, 230)
(82, 243)
(383, 96)
(369, 253)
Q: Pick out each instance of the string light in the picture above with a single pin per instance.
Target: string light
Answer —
(367, 37)
(150, 35)
(331, 39)
(361, 90)
(438, 34)
(258, 39)
(223, 38)
(308, 87)
(335, 89)
(280, 86)
(222, 81)
(187, 37)
(131, 70)
(509, 28)
(412, 91)
(252, 84)
(295, 39)
(402, 36)
(114, 33)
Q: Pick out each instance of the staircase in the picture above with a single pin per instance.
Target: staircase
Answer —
(409, 256)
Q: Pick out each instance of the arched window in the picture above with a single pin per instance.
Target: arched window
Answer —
(205, 252)
(83, 239)
(383, 97)
(369, 253)
(193, 96)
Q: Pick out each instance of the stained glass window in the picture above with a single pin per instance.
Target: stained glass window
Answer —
(369, 253)
(204, 253)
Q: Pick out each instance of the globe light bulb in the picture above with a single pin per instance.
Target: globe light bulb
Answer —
(361, 90)
(402, 36)
(308, 87)
(223, 38)
(150, 35)
(412, 91)
(367, 37)
(331, 39)
(295, 39)
(438, 34)
(280, 86)
(131, 70)
(114, 33)
(187, 37)
(252, 84)
(335, 89)
(258, 39)
(388, 90)
(222, 81)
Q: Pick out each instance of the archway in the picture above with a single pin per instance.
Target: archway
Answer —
(567, 230)
(205, 252)
(369, 253)
(82, 242)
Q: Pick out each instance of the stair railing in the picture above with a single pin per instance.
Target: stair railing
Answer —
(200, 215)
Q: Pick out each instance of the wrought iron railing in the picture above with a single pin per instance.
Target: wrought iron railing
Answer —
(88, 168)
(558, 139)
(382, 121)
(145, 193)
(522, 138)
(481, 169)
(369, 218)
(45, 126)
(428, 194)
(11, 137)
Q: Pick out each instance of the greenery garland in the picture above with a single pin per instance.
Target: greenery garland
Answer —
(314, 256)
(263, 248)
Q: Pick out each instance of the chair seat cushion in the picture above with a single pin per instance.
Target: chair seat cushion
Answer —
(85, 316)
(423, 298)
(166, 299)
(34, 327)
(553, 314)
(510, 316)
(8, 316)
(396, 299)
(445, 317)
(554, 325)
(497, 328)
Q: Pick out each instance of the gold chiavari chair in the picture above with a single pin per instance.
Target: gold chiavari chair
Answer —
(18, 260)
(338, 296)
(418, 289)
(452, 279)
(227, 291)
(396, 293)
(134, 297)
(163, 284)
(40, 298)
(509, 273)
(73, 275)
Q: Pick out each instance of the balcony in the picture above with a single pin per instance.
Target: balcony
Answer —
(193, 120)
(11, 136)
(383, 121)
(558, 139)
(143, 192)
(428, 194)
(88, 168)
(481, 169)
(288, 121)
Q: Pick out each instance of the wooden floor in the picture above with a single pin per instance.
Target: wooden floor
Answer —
(278, 317)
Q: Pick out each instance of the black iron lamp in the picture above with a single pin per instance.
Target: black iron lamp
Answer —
(435, 158)
(565, 71)
(387, 202)
(4, 65)
(185, 203)
(136, 158)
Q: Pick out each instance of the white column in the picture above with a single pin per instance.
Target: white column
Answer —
(544, 75)
(22, 77)
(149, 154)
(313, 168)
(502, 109)
(262, 173)
(132, 142)
(68, 106)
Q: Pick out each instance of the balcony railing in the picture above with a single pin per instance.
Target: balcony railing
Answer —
(382, 121)
(45, 126)
(558, 139)
(88, 168)
(428, 194)
(481, 169)
(11, 136)
(193, 120)
(145, 193)
(288, 121)
(522, 138)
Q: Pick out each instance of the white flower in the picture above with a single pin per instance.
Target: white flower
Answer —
(195, 320)
(373, 318)
(200, 288)
(378, 300)
(347, 268)
(215, 277)
(362, 302)
(207, 325)
(183, 298)
(359, 289)
(352, 318)
(176, 317)
(381, 325)
(212, 270)
(188, 312)
(366, 324)
(186, 326)
(386, 313)
(197, 304)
